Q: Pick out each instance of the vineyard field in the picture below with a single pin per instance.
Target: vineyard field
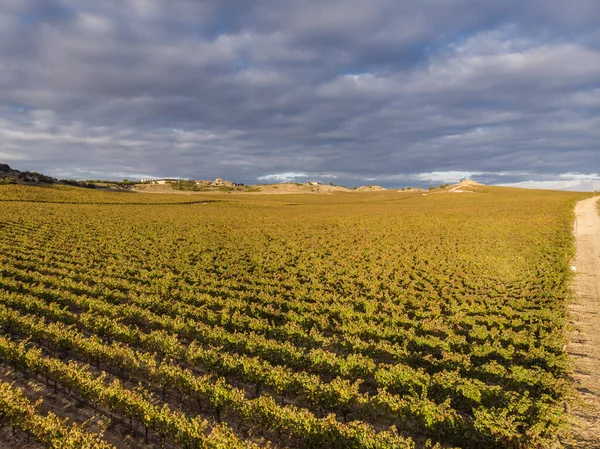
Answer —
(351, 320)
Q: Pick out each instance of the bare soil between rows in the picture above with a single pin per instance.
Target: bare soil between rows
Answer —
(583, 429)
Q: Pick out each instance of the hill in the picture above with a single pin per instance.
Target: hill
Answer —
(294, 187)
(10, 175)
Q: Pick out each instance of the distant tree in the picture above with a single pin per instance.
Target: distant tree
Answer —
(187, 185)
(75, 183)
(46, 179)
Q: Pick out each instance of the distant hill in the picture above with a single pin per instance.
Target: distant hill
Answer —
(312, 187)
(10, 175)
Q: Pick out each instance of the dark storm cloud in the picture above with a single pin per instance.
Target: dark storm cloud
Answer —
(383, 92)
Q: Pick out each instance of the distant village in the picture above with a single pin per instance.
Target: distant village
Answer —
(218, 182)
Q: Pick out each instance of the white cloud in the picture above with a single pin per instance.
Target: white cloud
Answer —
(291, 176)
(579, 176)
(489, 59)
(584, 185)
(452, 176)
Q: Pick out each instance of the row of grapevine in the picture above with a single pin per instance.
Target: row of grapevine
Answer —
(438, 419)
(261, 413)
(194, 432)
(54, 432)
(316, 360)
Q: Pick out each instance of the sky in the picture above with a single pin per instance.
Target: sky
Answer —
(388, 92)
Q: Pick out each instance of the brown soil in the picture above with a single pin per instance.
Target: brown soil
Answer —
(584, 346)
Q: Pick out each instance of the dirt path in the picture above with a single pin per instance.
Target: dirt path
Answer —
(584, 345)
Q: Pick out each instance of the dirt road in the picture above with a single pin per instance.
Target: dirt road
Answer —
(584, 345)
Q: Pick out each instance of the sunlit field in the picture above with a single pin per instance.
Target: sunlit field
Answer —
(358, 320)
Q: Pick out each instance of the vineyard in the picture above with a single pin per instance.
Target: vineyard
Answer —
(364, 320)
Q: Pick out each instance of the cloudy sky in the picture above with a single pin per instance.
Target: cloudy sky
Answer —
(389, 92)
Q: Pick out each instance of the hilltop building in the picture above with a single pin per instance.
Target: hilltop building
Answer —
(161, 181)
(218, 182)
